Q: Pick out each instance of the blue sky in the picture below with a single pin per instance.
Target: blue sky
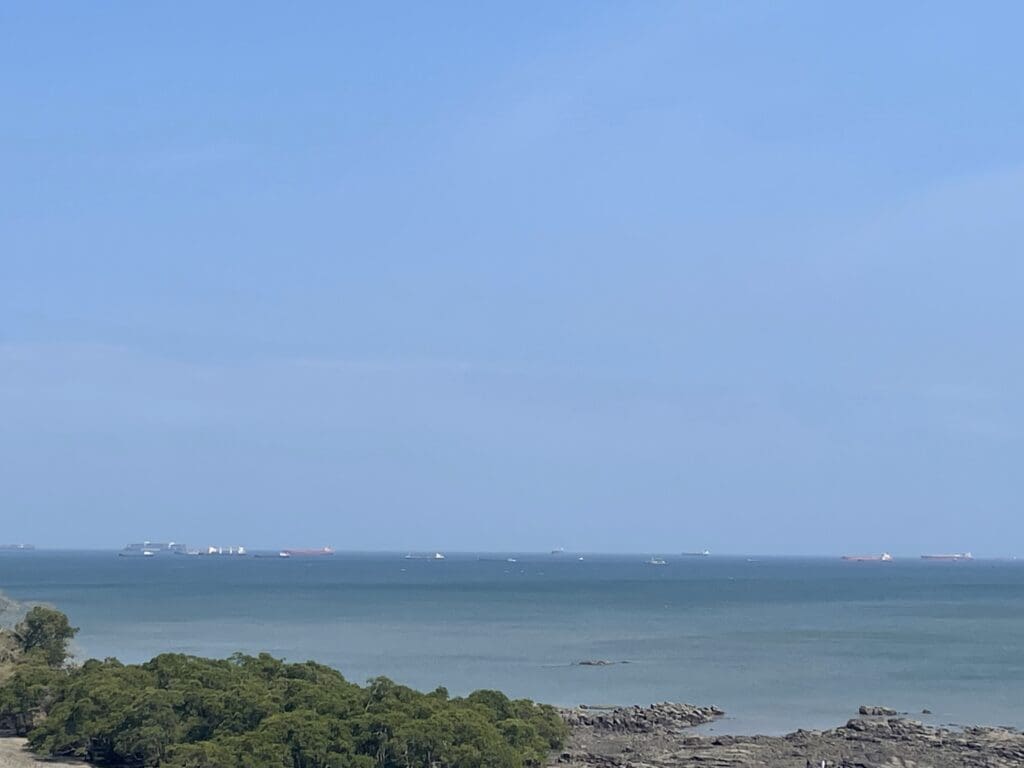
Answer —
(610, 276)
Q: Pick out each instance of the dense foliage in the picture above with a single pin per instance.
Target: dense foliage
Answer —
(46, 632)
(259, 712)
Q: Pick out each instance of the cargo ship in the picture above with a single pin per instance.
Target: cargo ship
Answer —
(885, 557)
(224, 552)
(321, 552)
(955, 556)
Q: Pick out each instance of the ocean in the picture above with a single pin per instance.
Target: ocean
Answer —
(779, 643)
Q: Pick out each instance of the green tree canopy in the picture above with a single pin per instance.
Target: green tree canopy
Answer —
(46, 631)
(179, 711)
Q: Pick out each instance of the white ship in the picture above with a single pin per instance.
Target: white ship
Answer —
(226, 551)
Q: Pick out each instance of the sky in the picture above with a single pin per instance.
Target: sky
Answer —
(644, 277)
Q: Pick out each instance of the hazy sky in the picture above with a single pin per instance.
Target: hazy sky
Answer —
(611, 276)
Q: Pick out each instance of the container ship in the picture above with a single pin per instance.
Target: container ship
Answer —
(885, 557)
(955, 556)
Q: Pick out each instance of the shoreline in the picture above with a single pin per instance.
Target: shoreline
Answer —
(669, 735)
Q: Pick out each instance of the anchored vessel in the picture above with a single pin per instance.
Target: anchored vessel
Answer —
(953, 556)
(885, 557)
(153, 548)
(321, 552)
(225, 551)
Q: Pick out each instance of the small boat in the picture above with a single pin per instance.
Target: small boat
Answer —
(435, 556)
(656, 561)
(702, 553)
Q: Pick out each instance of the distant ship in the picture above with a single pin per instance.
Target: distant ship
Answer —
(558, 551)
(224, 552)
(152, 549)
(17, 547)
(956, 556)
(703, 553)
(321, 552)
(435, 556)
(885, 557)
(656, 561)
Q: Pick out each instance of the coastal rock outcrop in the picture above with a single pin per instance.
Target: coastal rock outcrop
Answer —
(870, 741)
(874, 711)
(665, 717)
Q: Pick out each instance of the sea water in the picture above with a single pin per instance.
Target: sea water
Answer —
(779, 643)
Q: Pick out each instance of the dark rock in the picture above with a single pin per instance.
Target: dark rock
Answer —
(665, 717)
(877, 711)
(654, 736)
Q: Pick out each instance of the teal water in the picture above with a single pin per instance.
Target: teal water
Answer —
(778, 643)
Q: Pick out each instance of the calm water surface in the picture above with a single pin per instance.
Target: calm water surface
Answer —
(778, 643)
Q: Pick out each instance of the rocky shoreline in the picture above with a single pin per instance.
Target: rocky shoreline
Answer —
(660, 736)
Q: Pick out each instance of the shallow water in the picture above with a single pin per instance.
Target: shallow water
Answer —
(779, 643)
